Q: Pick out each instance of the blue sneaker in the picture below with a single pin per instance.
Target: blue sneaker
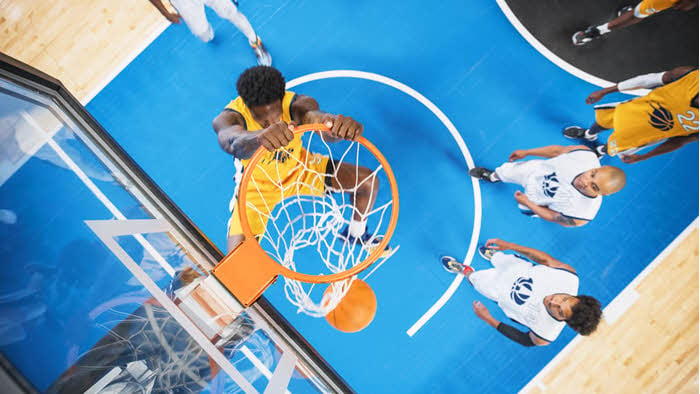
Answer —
(450, 264)
(367, 241)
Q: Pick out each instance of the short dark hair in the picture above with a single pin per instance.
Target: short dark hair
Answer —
(260, 85)
(585, 315)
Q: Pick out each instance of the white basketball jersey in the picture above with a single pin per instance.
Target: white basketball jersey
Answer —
(523, 302)
(552, 185)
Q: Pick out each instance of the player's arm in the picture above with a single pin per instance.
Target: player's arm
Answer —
(237, 141)
(524, 338)
(669, 145)
(548, 214)
(535, 255)
(645, 81)
(172, 17)
(545, 151)
(341, 127)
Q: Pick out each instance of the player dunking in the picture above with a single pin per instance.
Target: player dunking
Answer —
(542, 297)
(263, 115)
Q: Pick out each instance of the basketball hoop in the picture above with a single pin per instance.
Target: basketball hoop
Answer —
(302, 219)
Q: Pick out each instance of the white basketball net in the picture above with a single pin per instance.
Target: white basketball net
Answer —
(305, 230)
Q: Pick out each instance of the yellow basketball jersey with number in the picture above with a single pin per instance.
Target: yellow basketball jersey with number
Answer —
(663, 113)
(282, 159)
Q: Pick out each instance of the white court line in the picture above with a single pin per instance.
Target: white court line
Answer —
(462, 147)
(564, 65)
(536, 381)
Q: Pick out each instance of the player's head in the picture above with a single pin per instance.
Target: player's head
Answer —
(601, 181)
(560, 306)
(585, 315)
(262, 90)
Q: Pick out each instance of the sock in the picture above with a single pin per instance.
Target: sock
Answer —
(357, 228)
(255, 43)
(603, 29)
(494, 177)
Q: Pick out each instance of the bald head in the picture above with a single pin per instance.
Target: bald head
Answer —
(610, 180)
(601, 181)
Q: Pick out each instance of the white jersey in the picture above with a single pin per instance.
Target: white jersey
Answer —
(523, 302)
(551, 185)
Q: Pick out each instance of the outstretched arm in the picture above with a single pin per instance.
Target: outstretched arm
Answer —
(646, 81)
(237, 141)
(545, 151)
(535, 255)
(548, 214)
(172, 17)
(670, 145)
(524, 338)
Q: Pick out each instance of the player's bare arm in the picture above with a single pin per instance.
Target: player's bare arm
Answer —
(672, 75)
(341, 127)
(237, 141)
(548, 214)
(535, 255)
(545, 151)
(524, 338)
(172, 17)
(670, 145)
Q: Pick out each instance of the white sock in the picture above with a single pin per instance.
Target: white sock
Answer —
(494, 177)
(603, 29)
(357, 228)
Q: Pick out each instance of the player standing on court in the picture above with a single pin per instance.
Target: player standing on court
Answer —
(567, 188)
(660, 122)
(193, 13)
(542, 297)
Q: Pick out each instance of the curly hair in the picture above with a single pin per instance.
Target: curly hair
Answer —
(585, 315)
(260, 85)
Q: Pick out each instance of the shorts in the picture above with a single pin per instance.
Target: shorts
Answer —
(310, 180)
(495, 283)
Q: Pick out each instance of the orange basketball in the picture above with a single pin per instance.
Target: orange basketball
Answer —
(356, 310)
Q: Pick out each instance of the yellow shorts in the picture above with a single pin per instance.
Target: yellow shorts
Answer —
(649, 7)
(264, 196)
(605, 117)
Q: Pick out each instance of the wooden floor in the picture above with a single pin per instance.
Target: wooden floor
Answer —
(82, 43)
(652, 347)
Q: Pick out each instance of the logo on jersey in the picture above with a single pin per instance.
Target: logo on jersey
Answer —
(521, 290)
(660, 117)
(550, 185)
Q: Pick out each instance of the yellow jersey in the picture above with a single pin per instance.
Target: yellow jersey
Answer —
(287, 157)
(663, 113)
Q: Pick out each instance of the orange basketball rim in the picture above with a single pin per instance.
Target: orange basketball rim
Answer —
(248, 270)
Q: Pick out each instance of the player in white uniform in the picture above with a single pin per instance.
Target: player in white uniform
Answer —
(567, 188)
(542, 297)
(192, 11)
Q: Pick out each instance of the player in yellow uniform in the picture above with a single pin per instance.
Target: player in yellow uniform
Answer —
(264, 115)
(631, 15)
(666, 118)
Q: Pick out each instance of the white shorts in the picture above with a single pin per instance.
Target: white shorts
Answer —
(519, 171)
(496, 282)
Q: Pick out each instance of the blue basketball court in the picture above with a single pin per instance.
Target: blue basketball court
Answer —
(438, 89)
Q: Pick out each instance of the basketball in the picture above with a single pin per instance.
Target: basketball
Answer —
(356, 310)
